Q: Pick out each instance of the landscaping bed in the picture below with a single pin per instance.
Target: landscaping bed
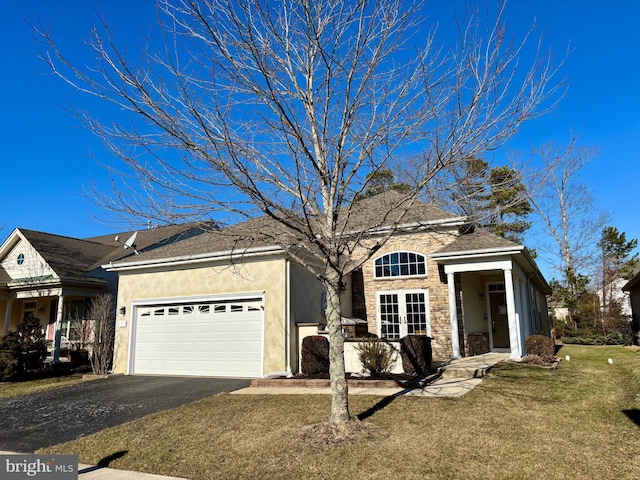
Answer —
(356, 381)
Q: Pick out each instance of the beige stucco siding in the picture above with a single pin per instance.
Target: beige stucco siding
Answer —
(474, 305)
(258, 275)
(306, 293)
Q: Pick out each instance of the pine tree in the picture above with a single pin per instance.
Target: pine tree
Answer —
(495, 199)
(508, 203)
(618, 263)
(382, 181)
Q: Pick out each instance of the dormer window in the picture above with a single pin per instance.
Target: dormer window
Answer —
(21, 259)
(400, 264)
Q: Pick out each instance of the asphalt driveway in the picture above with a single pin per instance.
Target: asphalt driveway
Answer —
(43, 419)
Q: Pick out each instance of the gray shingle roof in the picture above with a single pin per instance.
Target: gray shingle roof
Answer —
(4, 276)
(478, 240)
(73, 257)
(387, 209)
(68, 257)
(264, 231)
(253, 233)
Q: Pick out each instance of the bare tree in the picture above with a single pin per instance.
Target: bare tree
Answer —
(101, 319)
(565, 205)
(572, 222)
(287, 109)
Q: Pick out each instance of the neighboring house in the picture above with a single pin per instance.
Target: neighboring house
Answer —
(55, 277)
(632, 287)
(232, 303)
(616, 294)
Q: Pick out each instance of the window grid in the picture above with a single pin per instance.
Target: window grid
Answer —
(400, 264)
(416, 314)
(389, 316)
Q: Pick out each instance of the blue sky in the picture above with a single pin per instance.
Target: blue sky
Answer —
(47, 159)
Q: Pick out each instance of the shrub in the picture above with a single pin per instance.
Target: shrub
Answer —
(537, 360)
(376, 356)
(101, 317)
(33, 345)
(315, 355)
(415, 351)
(23, 350)
(541, 346)
(9, 355)
(589, 338)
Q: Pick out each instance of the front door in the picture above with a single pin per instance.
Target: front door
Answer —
(499, 320)
(403, 312)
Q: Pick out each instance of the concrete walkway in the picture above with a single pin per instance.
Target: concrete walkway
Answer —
(458, 377)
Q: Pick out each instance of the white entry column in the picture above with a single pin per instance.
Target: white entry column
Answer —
(7, 315)
(453, 316)
(512, 320)
(58, 330)
(524, 309)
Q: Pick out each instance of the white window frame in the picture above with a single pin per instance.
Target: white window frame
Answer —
(400, 252)
(402, 310)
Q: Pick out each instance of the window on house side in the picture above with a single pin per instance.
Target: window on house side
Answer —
(400, 264)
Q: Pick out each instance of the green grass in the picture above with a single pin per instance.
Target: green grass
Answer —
(16, 389)
(520, 422)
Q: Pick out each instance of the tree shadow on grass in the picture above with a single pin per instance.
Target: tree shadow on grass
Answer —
(633, 414)
(105, 462)
(385, 402)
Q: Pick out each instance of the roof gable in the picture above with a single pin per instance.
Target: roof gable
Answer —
(68, 257)
(21, 260)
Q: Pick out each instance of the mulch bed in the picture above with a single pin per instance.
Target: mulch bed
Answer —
(320, 381)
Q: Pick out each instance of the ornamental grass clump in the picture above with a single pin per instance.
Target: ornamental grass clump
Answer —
(377, 356)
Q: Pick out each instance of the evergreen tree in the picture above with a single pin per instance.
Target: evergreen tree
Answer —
(469, 188)
(381, 181)
(618, 263)
(508, 203)
(23, 350)
(495, 199)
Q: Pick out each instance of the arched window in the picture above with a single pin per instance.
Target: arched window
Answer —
(400, 264)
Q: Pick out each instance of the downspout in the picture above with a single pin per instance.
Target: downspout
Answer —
(287, 326)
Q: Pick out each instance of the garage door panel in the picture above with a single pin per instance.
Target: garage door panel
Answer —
(204, 339)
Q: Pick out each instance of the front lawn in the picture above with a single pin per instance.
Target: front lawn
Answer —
(19, 388)
(581, 421)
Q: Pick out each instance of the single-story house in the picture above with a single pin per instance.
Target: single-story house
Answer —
(231, 302)
(55, 277)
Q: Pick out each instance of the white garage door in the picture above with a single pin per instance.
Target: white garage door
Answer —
(217, 339)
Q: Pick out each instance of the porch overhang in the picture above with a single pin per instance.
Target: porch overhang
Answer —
(50, 286)
(517, 257)
(517, 268)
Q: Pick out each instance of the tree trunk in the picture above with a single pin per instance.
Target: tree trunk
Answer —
(339, 387)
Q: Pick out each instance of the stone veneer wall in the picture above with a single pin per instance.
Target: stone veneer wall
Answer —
(359, 305)
(424, 243)
(476, 344)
